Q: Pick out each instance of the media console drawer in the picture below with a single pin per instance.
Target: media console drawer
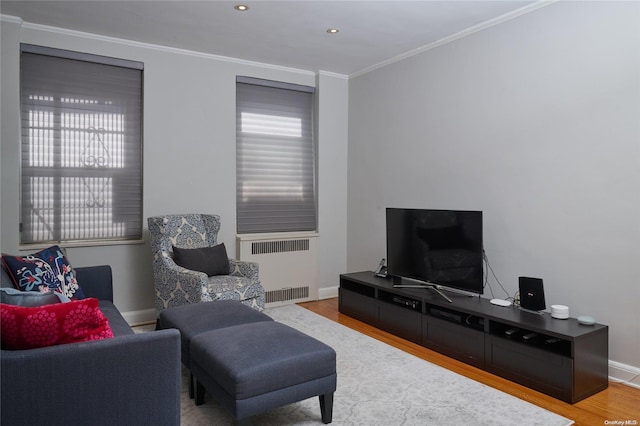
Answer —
(459, 342)
(358, 306)
(535, 368)
(400, 321)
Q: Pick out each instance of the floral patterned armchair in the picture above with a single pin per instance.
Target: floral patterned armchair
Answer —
(176, 285)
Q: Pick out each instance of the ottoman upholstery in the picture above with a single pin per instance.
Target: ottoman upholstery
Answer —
(255, 367)
(197, 318)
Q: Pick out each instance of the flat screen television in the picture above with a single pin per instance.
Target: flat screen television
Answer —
(436, 247)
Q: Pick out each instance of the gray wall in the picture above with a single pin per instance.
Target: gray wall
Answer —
(189, 149)
(535, 121)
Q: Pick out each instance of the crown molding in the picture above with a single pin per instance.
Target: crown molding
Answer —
(464, 33)
(333, 74)
(10, 18)
(157, 47)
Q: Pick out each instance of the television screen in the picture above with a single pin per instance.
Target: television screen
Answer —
(442, 247)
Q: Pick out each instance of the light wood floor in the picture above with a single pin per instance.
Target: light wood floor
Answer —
(617, 402)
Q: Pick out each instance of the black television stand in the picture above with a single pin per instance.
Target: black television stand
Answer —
(561, 358)
(434, 287)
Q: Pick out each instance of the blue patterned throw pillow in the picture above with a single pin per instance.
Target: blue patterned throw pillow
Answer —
(15, 297)
(45, 271)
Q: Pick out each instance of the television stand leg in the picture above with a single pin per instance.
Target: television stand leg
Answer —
(437, 290)
(429, 286)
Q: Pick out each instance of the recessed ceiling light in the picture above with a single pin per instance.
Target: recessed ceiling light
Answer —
(333, 31)
(241, 7)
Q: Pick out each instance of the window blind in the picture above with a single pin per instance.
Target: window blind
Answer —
(81, 156)
(275, 157)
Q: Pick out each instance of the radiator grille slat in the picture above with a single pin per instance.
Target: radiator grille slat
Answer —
(285, 294)
(283, 246)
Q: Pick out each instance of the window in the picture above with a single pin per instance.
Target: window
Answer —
(275, 157)
(81, 171)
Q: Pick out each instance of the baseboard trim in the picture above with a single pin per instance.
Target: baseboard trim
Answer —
(625, 374)
(144, 316)
(328, 292)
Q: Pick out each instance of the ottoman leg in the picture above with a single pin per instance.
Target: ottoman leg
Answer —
(191, 391)
(199, 393)
(326, 407)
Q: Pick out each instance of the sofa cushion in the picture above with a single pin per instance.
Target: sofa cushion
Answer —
(46, 270)
(210, 260)
(48, 325)
(11, 296)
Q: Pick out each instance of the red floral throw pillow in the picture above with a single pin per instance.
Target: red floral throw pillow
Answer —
(48, 325)
(45, 271)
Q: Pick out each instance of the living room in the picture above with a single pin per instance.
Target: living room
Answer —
(533, 120)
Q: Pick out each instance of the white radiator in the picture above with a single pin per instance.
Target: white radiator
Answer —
(288, 264)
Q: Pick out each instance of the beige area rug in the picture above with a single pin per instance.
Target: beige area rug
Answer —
(381, 385)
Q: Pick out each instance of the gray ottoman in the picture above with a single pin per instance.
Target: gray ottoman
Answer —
(196, 318)
(252, 368)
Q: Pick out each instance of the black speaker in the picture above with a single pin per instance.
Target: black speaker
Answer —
(531, 294)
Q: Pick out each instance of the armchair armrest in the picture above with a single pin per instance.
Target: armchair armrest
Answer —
(191, 281)
(126, 380)
(167, 274)
(241, 268)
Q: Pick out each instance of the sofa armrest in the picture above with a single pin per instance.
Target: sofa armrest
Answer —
(126, 380)
(96, 281)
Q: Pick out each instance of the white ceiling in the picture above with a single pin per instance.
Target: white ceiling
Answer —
(286, 33)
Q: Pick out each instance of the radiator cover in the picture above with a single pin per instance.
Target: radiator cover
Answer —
(288, 263)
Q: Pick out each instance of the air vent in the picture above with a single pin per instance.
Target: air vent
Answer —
(283, 246)
(286, 294)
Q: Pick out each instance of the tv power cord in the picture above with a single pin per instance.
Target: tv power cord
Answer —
(486, 281)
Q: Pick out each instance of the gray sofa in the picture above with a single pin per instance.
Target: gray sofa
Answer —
(131, 379)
